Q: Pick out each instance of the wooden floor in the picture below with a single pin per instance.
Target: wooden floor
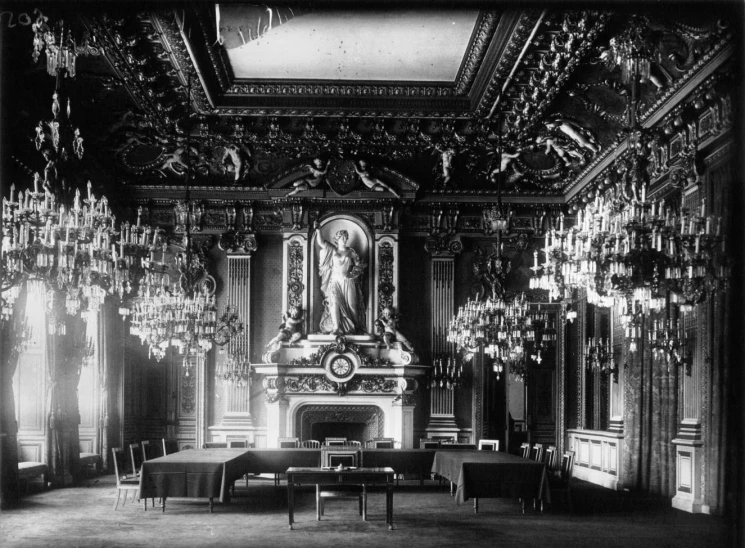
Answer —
(423, 517)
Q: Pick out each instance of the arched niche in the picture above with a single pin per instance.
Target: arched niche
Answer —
(361, 238)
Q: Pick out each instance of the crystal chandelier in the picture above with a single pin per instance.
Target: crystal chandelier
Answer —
(669, 342)
(183, 315)
(447, 372)
(235, 370)
(599, 356)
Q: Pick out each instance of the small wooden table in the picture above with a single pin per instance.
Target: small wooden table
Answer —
(356, 476)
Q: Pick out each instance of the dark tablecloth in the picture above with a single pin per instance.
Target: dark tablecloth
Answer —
(492, 474)
(403, 461)
(193, 473)
(277, 461)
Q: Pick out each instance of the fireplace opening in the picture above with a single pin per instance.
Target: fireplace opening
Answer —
(350, 430)
(354, 422)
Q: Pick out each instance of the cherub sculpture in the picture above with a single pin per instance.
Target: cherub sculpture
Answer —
(564, 152)
(505, 163)
(317, 174)
(387, 325)
(369, 180)
(290, 330)
(447, 157)
(238, 160)
(577, 134)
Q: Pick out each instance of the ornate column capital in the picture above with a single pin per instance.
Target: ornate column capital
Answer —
(238, 242)
(443, 245)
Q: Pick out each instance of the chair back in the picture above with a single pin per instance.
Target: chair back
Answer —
(536, 453)
(150, 450)
(488, 445)
(567, 466)
(215, 445)
(427, 443)
(549, 458)
(288, 443)
(311, 444)
(239, 444)
(332, 456)
(525, 450)
(381, 443)
(354, 443)
(335, 441)
(170, 446)
(118, 454)
(135, 453)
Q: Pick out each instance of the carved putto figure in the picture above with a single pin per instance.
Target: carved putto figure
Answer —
(369, 180)
(562, 150)
(387, 325)
(340, 268)
(505, 163)
(238, 160)
(447, 157)
(318, 172)
(579, 135)
(290, 330)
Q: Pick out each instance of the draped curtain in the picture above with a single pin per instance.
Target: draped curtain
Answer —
(64, 360)
(10, 335)
(650, 422)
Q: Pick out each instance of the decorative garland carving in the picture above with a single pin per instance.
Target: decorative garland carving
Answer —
(386, 286)
(295, 286)
(315, 359)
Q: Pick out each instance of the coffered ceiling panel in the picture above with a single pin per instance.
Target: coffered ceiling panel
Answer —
(347, 45)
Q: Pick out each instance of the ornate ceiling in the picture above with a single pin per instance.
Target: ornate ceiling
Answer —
(169, 86)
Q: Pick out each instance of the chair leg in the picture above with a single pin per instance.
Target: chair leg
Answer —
(116, 502)
(319, 502)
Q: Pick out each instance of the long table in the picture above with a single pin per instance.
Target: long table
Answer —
(196, 473)
(403, 461)
(492, 474)
(358, 476)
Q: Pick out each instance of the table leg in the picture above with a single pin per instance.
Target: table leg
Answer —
(364, 502)
(389, 505)
(475, 505)
(523, 506)
(318, 502)
(212, 504)
(451, 489)
(290, 498)
(163, 505)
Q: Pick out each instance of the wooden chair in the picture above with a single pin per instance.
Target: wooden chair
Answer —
(561, 486)
(335, 441)
(311, 444)
(215, 445)
(488, 445)
(169, 446)
(288, 443)
(136, 459)
(123, 483)
(525, 450)
(427, 443)
(332, 457)
(536, 453)
(549, 459)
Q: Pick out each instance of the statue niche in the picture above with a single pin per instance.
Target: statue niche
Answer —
(341, 250)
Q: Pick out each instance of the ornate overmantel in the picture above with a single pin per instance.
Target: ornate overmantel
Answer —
(342, 371)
